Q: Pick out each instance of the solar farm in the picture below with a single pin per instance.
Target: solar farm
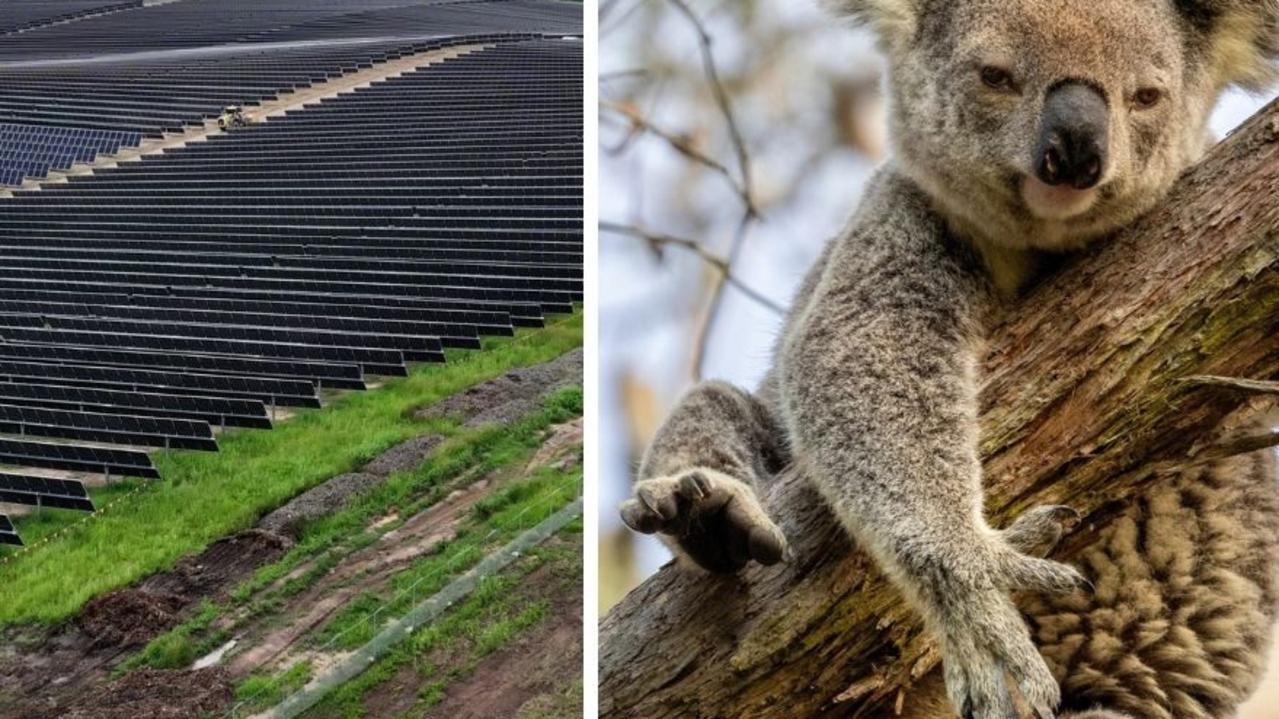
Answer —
(399, 188)
(207, 286)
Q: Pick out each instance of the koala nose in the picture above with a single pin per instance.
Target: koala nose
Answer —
(1073, 137)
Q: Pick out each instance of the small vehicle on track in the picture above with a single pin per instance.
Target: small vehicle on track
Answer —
(232, 116)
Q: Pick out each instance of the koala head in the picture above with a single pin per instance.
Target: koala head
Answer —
(1049, 123)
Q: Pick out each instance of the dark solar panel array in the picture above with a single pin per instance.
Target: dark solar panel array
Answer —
(151, 96)
(180, 64)
(36, 491)
(25, 15)
(35, 150)
(210, 284)
(202, 23)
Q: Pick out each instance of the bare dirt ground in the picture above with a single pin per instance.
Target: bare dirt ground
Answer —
(50, 670)
(274, 642)
(366, 569)
(149, 694)
(511, 396)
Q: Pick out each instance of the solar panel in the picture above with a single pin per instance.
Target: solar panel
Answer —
(77, 458)
(38, 491)
(7, 533)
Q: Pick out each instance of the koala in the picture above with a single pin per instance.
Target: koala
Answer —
(1020, 129)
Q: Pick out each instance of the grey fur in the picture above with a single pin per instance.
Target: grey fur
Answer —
(873, 388)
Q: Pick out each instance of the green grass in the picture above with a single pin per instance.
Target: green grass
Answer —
(207, 496)
(450, 648)
(259, 691)
(513, 510)
(324, 542)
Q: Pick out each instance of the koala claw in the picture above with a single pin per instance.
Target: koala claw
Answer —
(715, 519)
(1032, 574)
(989, 644)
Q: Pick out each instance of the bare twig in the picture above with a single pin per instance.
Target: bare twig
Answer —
(717, 299)
(741, 182)
(722, 267)
(1237, 445)
(1244, 385)
(705, 42)
(680, 145)
(624, 74)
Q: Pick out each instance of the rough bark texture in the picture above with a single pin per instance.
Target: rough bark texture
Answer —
(1084, 402)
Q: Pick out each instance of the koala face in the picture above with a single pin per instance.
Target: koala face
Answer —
(1050, 123)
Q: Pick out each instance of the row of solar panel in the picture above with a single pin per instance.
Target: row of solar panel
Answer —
(125, 327)
(25, 15)
(13, 175)
(154, 97)
(8, 535)
(28, 151)
(37, 491)
(42, 134)
(510, 247)
(202, 23)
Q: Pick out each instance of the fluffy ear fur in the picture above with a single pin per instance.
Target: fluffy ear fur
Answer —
(1242, 38)
(894, 21)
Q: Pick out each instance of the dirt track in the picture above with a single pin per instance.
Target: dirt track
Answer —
(538, 674)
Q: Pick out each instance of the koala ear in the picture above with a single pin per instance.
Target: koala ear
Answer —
(1241, 38)
(893, 21)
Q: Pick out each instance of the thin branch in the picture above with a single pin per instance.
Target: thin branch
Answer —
(705, 41)
(742, 184)
(1237, 445)
(682, 146)
(721, 266)
(1244, 385)
(717, 299)
(624, 74)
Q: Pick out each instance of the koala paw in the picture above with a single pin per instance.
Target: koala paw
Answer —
(1038, 530)
(713, 518)
(1019, 564)
(984, 643)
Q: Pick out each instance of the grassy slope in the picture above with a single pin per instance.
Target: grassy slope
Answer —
(519, 505)
(207, 496)
(449, 649)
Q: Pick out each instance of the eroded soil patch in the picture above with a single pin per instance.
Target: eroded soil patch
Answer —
(48, 674)
(509, 397)
(150, 694)
(363, 570)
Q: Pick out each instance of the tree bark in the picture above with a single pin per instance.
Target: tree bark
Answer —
(1085, 400)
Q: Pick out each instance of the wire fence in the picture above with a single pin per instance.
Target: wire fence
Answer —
(415, 596)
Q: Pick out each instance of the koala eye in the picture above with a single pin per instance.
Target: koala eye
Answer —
(1147, 97)
(997, 78)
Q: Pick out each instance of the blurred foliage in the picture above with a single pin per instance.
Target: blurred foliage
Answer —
(728, 130)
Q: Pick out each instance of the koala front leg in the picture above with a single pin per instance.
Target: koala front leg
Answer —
(879, 396)
(696, 485)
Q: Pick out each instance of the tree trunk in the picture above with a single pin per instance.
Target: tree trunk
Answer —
(1085, 400)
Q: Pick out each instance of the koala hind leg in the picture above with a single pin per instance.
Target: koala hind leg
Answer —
(697, 484)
